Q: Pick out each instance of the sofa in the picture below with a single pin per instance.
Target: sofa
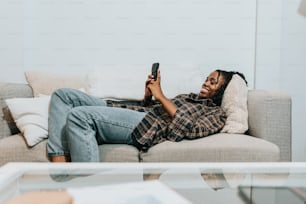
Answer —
(268, 138)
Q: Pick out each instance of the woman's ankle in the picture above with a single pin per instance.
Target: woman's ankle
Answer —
(59, 159)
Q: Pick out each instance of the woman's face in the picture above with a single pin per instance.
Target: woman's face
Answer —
(212, 83)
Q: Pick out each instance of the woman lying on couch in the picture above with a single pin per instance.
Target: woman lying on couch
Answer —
(79, 123)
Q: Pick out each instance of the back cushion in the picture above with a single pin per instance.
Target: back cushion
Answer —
(10, 90)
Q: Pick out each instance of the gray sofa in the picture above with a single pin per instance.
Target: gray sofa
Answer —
(268, 138)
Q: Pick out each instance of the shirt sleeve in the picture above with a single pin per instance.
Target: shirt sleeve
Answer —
(186, 126)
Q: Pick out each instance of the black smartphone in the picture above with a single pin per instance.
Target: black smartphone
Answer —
(155, 67)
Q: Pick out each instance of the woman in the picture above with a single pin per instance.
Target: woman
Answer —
(79, 123)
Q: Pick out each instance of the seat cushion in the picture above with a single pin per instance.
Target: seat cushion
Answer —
(14, 149)
(220, 147)
(118, 153)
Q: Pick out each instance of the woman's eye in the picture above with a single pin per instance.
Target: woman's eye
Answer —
(212, 82)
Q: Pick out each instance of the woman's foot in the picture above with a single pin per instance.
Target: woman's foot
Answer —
(59, 159)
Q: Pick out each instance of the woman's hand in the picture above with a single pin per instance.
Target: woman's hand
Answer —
(148, 92)
(154, 87)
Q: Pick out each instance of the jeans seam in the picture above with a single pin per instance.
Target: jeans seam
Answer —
(125, 125)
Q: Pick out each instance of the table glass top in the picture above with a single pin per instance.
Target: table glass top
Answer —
(196, 182)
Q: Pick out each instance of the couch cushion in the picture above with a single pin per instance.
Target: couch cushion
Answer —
(220, 147)
(46, 83)
(118, 153)
(14, 149)
(176, 79)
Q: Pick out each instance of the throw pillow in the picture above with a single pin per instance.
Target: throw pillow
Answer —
(234, 103)
(128, 82)
(31, 117)
(46, 83)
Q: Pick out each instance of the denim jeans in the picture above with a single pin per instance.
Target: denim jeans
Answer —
(79, 123)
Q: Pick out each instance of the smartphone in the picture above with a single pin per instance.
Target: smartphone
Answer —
(155, 67)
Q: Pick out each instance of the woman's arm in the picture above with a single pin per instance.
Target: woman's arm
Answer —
(155, 89)
(168, 105)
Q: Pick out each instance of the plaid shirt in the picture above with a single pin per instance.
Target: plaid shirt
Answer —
(195, 118)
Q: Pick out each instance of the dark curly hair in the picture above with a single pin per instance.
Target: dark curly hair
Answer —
(227, 76)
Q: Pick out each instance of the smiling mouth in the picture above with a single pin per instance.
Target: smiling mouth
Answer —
(204, 91)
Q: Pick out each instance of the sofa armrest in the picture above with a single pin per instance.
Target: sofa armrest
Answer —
(270, 119)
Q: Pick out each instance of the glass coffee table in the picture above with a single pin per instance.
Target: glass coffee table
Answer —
(158, 183)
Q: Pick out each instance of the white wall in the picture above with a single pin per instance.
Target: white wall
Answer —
(293, 71)
(268, 44)
(11, 39)
(79, 35)
(281, 61)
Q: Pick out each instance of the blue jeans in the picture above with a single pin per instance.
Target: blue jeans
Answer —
(79, 123)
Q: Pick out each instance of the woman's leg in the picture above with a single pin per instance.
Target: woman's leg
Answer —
(87, 127)
(62, 101)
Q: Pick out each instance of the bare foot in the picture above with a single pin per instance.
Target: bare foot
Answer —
(59, 159)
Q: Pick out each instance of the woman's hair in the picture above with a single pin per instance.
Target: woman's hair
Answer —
(227, 76)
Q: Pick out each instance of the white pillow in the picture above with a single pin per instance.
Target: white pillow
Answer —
(114, 82)
(46, 83)
(31, 117)
(128, 82)
(234, 103)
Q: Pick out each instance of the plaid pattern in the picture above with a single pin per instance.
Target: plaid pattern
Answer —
(195, 118)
